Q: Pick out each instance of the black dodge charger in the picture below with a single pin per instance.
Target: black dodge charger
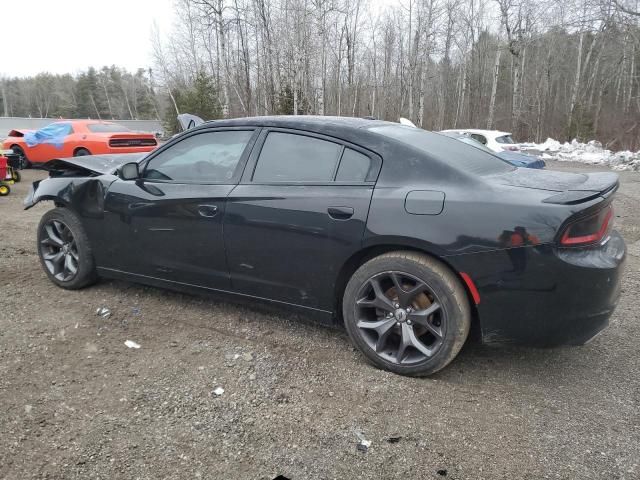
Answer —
(406, 237)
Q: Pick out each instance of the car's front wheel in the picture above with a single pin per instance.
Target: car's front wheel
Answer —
(64, 249)
(24, 161)
(407, 312)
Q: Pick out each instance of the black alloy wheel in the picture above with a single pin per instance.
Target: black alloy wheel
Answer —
(407, 312)
(59, 251)
(400, 317)
(64, 249)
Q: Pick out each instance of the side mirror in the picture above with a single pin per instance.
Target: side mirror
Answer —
(129, 171)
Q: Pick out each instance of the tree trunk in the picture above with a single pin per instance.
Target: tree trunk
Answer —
(494, 89)
(576, 86)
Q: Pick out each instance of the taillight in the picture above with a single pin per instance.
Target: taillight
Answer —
(588, 230)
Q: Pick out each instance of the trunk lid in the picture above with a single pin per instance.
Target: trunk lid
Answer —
(188, 121)
(564, 187)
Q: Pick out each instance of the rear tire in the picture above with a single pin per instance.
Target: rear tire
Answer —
(81, 152)
(64, 250)
(4, 190)
(407, 312)
(15, 175)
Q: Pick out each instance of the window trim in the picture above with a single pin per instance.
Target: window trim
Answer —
(372, 176)
(237, 173)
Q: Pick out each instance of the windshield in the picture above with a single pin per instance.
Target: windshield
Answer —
(448, 150)
(106, 128)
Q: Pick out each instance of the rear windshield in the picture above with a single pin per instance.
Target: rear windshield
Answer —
(106, 128)
(446, 149)
(505, 139)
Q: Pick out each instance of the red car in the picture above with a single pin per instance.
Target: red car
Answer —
(74, 138)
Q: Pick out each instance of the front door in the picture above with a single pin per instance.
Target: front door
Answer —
(172, 216)
(297, 216)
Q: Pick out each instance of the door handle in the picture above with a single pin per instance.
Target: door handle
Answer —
(207, 211)
(340, 213)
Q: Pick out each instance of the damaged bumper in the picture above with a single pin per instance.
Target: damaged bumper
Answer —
(545, 295)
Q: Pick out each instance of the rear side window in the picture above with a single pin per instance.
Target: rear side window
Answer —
(287, 157)
(354, 167)
(479, 138)
(505, 139)
(446, 150)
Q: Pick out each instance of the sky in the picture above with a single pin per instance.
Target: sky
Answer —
(68, 36)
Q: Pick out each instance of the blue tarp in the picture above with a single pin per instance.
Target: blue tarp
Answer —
(53, 133)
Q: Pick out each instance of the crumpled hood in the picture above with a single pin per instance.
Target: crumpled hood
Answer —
(101, 164)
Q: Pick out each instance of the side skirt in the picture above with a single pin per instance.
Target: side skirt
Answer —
(322, 316)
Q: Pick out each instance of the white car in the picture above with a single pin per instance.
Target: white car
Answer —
(492, 139)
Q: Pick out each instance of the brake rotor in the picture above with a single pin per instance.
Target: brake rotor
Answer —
(420, 302)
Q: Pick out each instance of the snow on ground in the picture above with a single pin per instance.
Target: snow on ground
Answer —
(591, 153)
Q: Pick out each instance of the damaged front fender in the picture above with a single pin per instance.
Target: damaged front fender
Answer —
(83, 194)
(79, 183)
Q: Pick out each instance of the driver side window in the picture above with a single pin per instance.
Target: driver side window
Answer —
(210, 157)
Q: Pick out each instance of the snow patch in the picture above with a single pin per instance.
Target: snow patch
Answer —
(591, 153)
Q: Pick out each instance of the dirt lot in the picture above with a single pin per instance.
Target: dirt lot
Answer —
(77, 403)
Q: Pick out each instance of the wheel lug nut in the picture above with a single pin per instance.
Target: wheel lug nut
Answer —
(408, 322)
(397, 305)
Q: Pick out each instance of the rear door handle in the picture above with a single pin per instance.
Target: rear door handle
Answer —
(207, 211)
(340, 213)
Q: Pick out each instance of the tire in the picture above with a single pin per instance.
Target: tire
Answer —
(4, 190)
(418, 320)
(15, 175)
(81, 152)
(60, 236)
(24, 160)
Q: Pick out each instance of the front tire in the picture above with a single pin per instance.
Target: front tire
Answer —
(407, 312)
(24, 161)
(64, 250)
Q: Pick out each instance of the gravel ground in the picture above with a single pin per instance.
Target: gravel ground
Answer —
(77, 403)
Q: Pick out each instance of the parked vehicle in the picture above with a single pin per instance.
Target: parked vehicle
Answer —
(492, 139)
(516, 159)
(75, 138)
(405, 236)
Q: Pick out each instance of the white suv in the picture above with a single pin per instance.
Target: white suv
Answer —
(492, 139)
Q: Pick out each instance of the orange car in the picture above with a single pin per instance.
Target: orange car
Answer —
(74, 138)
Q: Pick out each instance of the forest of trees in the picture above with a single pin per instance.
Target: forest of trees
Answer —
(538, 68)
(106, 94)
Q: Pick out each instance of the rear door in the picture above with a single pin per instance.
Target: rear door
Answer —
(168, 224)
(298, 214)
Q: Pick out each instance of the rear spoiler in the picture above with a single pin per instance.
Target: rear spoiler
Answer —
(600, 184)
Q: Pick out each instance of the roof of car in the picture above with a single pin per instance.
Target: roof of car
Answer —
(297, 121)
(494, 133)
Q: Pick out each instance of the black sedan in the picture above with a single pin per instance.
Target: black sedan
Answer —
(407, 237)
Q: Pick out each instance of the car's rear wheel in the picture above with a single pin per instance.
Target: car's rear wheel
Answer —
(64, 249)
(81, 152)
(407, 312)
